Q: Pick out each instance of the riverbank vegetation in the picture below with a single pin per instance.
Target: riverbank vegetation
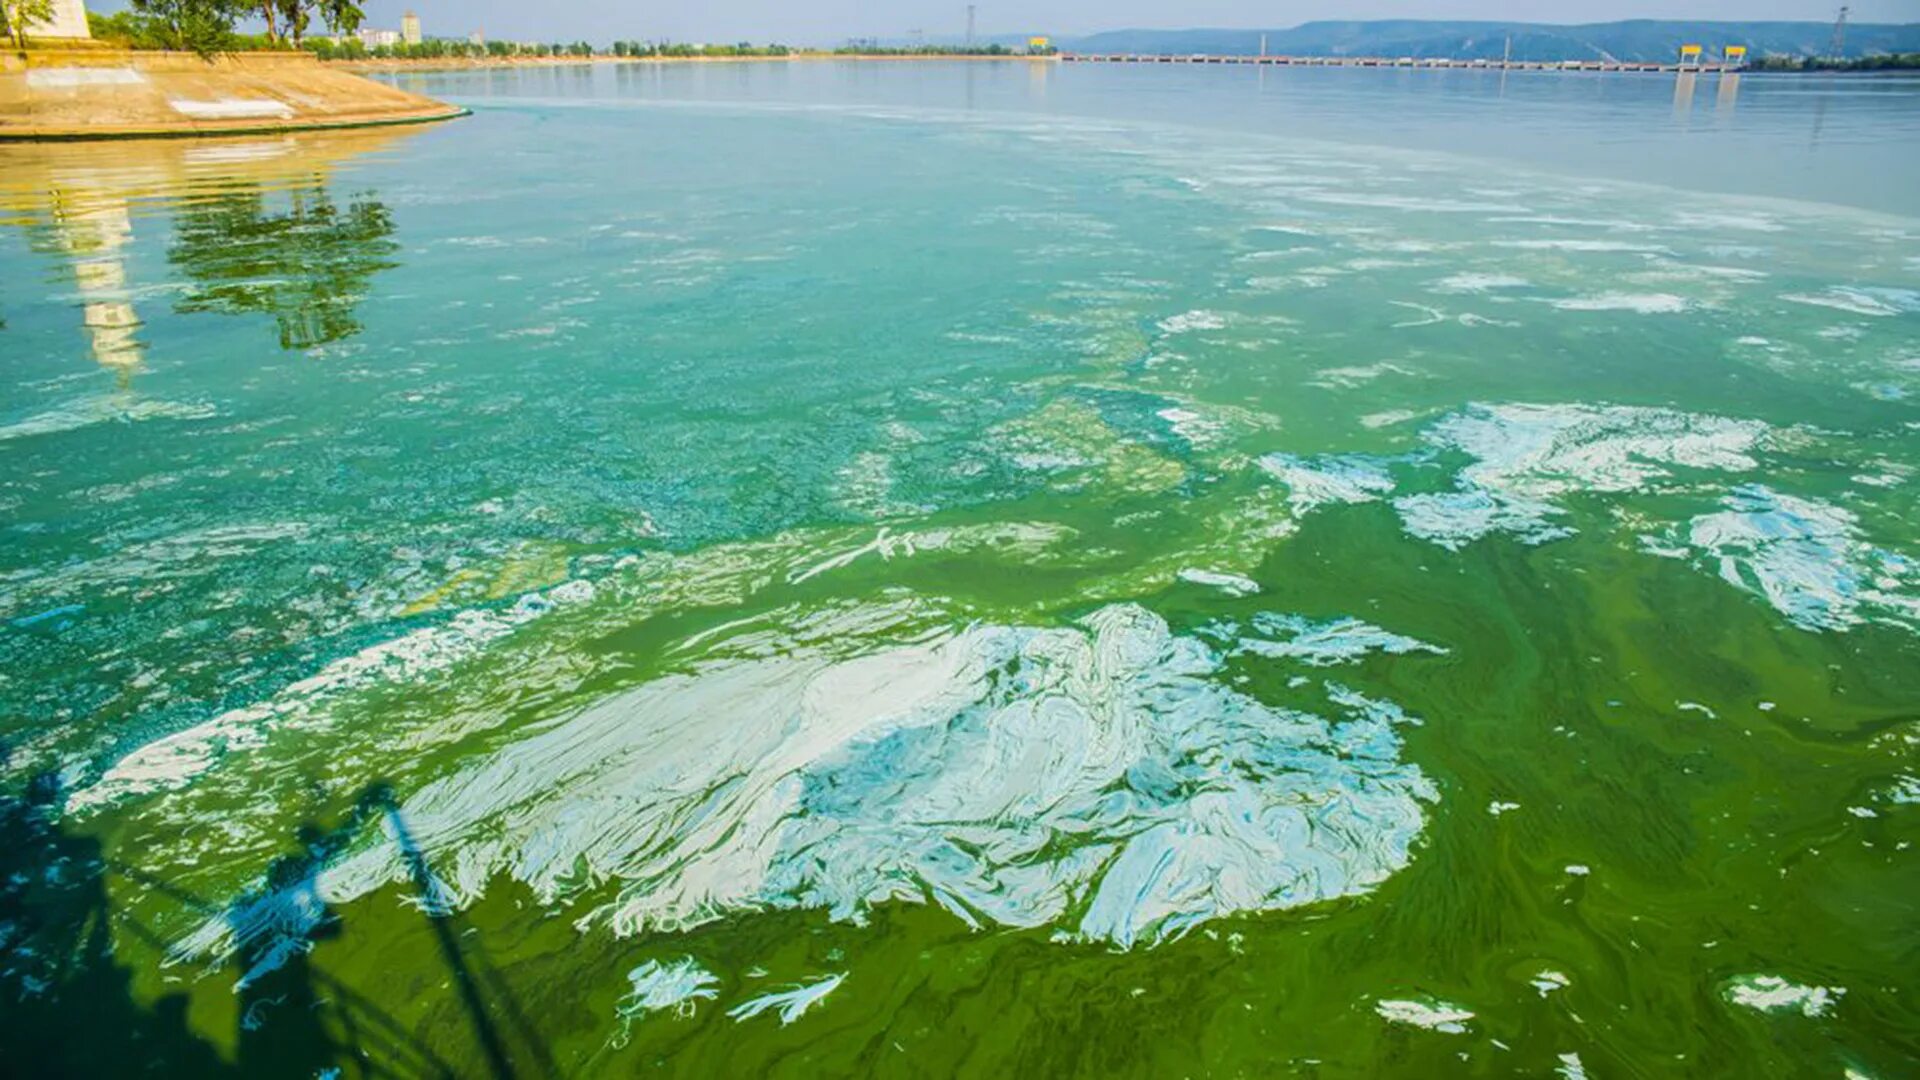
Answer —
(1882, 62)
(208, 26)
(441, 49)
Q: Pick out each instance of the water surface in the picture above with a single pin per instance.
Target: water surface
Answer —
(971, 569)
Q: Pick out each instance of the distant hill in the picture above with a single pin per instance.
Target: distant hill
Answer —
(1637, 40)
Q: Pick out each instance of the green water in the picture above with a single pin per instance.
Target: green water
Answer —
(1074, 572)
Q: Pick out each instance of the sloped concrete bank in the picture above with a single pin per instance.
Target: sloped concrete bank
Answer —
(95, 93)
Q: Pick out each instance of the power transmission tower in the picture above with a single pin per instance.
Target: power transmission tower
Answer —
(1838, 47)
(969, 26)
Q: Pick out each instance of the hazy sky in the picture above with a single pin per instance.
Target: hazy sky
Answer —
(832, 21)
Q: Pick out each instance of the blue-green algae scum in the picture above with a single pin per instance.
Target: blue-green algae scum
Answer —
(982, 570)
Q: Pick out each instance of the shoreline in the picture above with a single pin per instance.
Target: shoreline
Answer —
(79, 94)
(480, 63)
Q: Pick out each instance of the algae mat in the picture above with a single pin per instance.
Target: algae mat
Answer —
(807, 578)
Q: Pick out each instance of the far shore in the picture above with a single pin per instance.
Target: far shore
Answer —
(462, 63)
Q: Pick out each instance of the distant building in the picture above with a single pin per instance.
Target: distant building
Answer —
(410, 28)
(69, 20)
(376, 39)
(477, 39)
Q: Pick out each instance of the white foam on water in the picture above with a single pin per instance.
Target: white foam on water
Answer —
(1329, 479)
(1541, 451)
(1609, 224)
(791, 1004)
(174, 760)
(1523, 458)
(103, 410)
(277, 924)
(1642, 303)
(1190, 321)
(1570, 1067)
(1475, 283)
(1429, 316)
(1721, 221)
(1773, 994)
(1095, 778)
(1431, 1015)
(1231, 584)
(657, 987)
(1324, 644)
(1804, 557)
(1412, 203)
(1905, 791)
(1468, 318)
(1355, 375)
(1585, 246)
(1861, 300)
(1454, 519)
(1549, 980)
(1675, 271)
(1388, 418)
(1197, 429)
(1015, 537)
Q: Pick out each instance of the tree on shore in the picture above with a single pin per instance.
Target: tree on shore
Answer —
(287, 20)
(16, 14)
(203, 26)
(343, 17)
(295, 17)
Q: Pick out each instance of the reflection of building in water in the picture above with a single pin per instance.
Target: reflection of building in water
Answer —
(1683, 87)
(1729, 93)
(255, 230)
(92, 232)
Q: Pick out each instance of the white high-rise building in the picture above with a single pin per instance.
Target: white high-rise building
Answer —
(410, 28)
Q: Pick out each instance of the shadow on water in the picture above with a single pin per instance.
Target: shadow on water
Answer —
(68, 1008)
(479, 983)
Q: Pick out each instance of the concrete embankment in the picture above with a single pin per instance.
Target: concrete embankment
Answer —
(95, 93)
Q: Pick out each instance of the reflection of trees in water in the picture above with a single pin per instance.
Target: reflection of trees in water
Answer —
(307, 260)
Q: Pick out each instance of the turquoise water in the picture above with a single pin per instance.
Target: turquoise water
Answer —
(971, 569)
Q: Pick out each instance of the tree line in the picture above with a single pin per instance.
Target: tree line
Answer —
(1879, 62)
(440, 49)
(206, 26)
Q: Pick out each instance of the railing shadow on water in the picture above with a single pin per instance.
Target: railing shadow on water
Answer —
(70, 1008)
(482, 988)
